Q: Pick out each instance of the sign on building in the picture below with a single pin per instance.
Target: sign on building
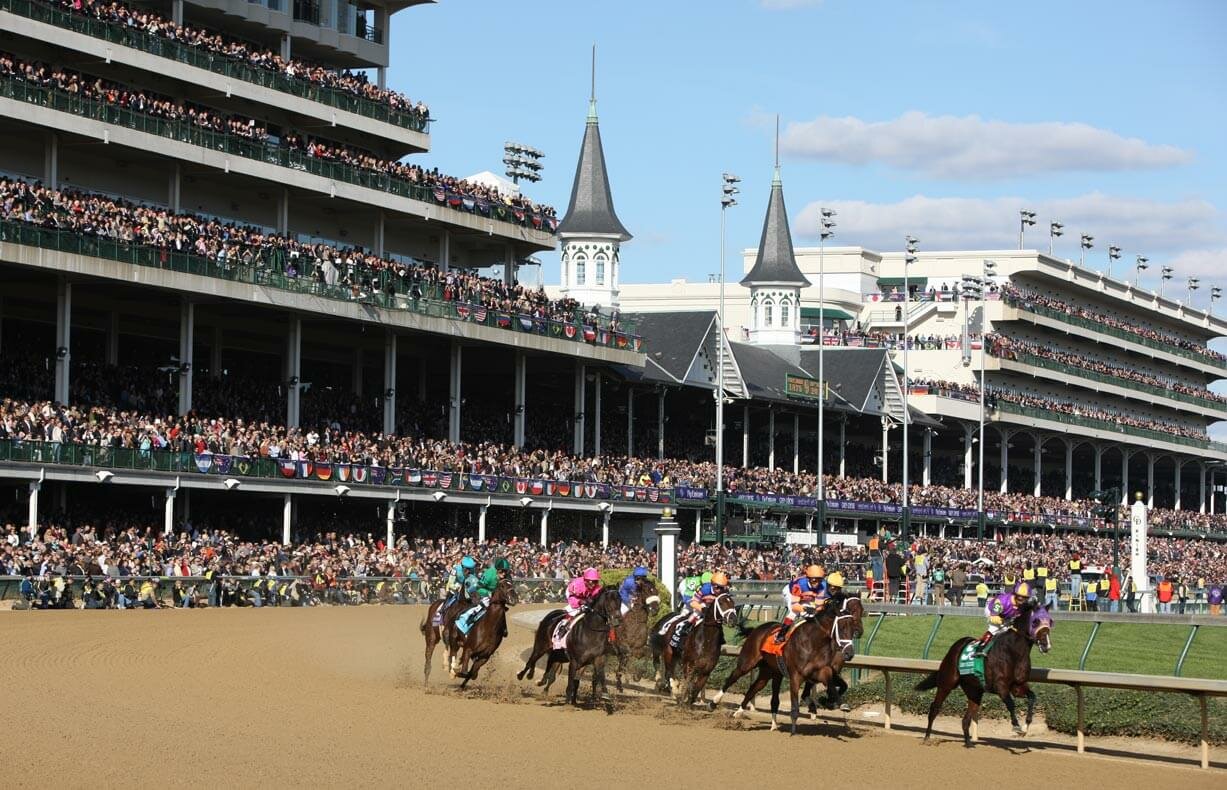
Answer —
(805, 388)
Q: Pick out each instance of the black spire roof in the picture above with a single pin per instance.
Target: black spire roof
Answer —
(591, 209)
(776, 263)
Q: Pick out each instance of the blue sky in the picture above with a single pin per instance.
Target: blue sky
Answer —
(939, 119)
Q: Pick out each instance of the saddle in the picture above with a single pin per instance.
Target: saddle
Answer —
(559, 639)
(469, 618)
(668, 622)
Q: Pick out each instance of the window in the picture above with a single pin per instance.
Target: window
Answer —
(784, 315)
(580, 273)
(600, 270)
(767, 314)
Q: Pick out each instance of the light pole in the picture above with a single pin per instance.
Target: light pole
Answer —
(826, 226)
(1055, 231)
(1086, 245)
(1113, 255)
(1164, 276)
(1194, 283)
(1143, 265)
(523, 162)
(988, 272)
(1216, 293)
(1025, 218)
(727, 200)
(909, 257)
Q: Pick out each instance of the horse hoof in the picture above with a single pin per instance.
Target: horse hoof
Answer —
(737, 713)
(711, 706)
(774, 726)
(813, 715)
(1020, 731)
(845, 707)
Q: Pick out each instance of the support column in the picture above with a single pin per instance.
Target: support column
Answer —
(667, 532)
(293, 369)
(745, 437)
(378, 240)
(521, 374)
(1005, 462)
(1038, 465)
(32, 513)
(215, 354)
(596, 422)
(481, 523)
(390, 525)
(455, 399)
(389, 384)
(283, 210)
(796, 444)
(577, 403)
(174, 187)
(1150, 481)
(885, 451)
(927, 473)
(771, 439)
(285, 47)
(1201, 486)
(698, 527)
(969, 433)
(1069, 470)
(1179, 467)
(168, 513)
(63, 338)
(381, 77)
(356, 373)
(113, 339)
(630, 421)
(1124, 477)
(51, 161)
(176, 12)
(509, 266)
(660, 425)
(843, 447)
(445, 250)
(545, 527)
(187, 334)
(287, 518)
(605, 528)
(1098, 467)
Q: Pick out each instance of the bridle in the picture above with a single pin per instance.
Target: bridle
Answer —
(719, 611)
(836, 635)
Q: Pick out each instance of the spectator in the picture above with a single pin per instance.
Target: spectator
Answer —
(895, 568)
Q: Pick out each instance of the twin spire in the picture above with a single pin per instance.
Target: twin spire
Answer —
(776, 263)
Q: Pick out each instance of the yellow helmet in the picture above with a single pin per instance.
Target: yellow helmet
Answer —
(836, 579)
(815, 572)
(720, 578)
(1022, 590)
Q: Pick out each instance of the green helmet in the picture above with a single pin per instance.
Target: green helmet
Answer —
(501, 564)
(705, 578)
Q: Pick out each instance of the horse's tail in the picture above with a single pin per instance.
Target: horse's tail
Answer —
(933, 679)
(929, 681)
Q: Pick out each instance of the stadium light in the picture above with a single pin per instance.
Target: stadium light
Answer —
(523, 162)
(909, 257)
(1216, 293)
(439, 496)
(1113, 255)
(1166, 274)
(826, 229)
(1025, 218)
(1194, 283)
(103, 475)
(1086, 245)
(1143, 265)
(728, 199)
(989, 272)
(1055, 231)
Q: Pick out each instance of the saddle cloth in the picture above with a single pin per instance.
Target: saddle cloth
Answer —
(971, 661)
(668, 622)
(469, 618)
(559, 639)
(770, 646)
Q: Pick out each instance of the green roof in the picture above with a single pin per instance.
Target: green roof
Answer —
(827, 312)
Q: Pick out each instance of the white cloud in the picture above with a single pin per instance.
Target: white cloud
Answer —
(1147, 227)
(1201, 263)
(970, 147)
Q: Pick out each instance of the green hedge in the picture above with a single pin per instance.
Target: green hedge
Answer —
(613, 577)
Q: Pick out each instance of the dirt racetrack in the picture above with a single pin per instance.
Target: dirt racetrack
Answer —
(333, 697)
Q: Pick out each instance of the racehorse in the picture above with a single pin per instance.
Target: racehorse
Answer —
(589, 633)
(699, 651)
(814, 653)
(478, 645)
(445, 632)
(1007, 667)
(631, 644)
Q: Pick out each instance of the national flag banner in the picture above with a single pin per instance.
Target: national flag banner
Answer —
(503, 320)
(653, 494)
(521, 486)
(589, 334)
(483, 206)
(469, 204)
(222, 463)
(602, 491)
(463, 311)
(323, 470)
(536, 220)
(628, 492)
(242, 466)
(976, 344)
(204, 462)
(604, 338)
(952, 343)
(396, 475)
(359, 473)
(641, 494)
(453, 201)
(918, 389)
(430, 479)
(552, 222)
(476, 482)
(287, 467)
(479, 315)
(551, 488)
(526, 323)
(343, 472)
(504, 485)
(563, 489)
(636, 343)
(377, 475)
(519, 215)
(445, 479)
(491, 482)
(856, 341)
(414, 477)
(536, 487)
(555, 329)
(830, 340)
(569, 330)
(590, 490)
(306, 469)
(620, 340)
(440, 194)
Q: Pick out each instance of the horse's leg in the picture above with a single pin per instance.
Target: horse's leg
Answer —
(747, 702)
(598, 678)
(1030, 707)
(794, 696)
(478, 663)
(550, 674)
(431, 641)
(935, 707)
(974, 692)
(738, 671)
(572, 683)
(1008, 699)
(530, 667)
(776, 680)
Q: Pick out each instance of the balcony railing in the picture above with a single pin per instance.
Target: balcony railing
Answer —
(1104, 329)
(220, 64)
(1105, 425)
(270, 268)
(1118, 381)
(186, 131)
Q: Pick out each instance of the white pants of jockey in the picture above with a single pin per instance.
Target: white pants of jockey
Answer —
(625, 608)
(994, 629)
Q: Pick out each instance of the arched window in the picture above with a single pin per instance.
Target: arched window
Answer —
(784, 322)
(581, 265)
(767, 313)
(600, 270)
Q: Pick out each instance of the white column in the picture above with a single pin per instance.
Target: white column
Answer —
(176, 12)
(745, 437)
(51, 161)
(1212, 503)
(885, 452)
(667, 531)
(660, 424)
(796, 444)
(113, 339)
(843, 446)
(380, 223)
(596, 420)
(454, 377)
(1069, 470)
(287, 518)
(1179, 466)
(389, 383)
(1201, 486)
(481, 523)
(630, 420)
(771, 439)
(1150, 480)
(927, 473)
(545, 527)
(187, 334)
(63, 338)
(521, 378)
(390, 524)
(1124, 477)
(445, 250)
(605, 528)
(1038, 464)
(1005, 462)
(174, 187)
(578, 401)
(293, 365)
(969, 432)
(698, 527)
(168, 513)
(32, 515)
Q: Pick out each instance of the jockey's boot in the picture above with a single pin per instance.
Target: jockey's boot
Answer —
(782, 634)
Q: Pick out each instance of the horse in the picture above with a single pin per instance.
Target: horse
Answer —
(632, 637)
(446, 632)
(603, 616)
(699, 651)
(814, 653)
(478, 645)
(1007, 667)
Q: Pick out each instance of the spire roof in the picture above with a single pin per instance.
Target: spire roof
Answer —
(776, 262)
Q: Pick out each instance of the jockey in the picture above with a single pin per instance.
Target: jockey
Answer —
(502, 567)
(581, 592)
(485, 587)
(804, 597)
(458, 580)
(689, 586)
(835, 584)
(1003, 608)
(716, 585)
(629, 585)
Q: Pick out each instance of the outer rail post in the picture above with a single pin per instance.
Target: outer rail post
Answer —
(886, 717)
(937, 624)
(1082, 718)
(1086, 651)
(1205, 732)
(1188, 643)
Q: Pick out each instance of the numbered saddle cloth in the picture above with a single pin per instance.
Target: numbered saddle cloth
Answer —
(470, 617)
(971, 660)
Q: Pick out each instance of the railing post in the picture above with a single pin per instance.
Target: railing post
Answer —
(886, 715)
(1185, 652)
(1086, 651)
(932, 635)
(1205, 732)
(1082, 716)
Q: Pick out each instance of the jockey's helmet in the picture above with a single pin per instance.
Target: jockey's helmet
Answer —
(641, 572)
(1022, 590)
(836, 579)
(815, 572)
(468, 563)
(592, 575)
(719, 579)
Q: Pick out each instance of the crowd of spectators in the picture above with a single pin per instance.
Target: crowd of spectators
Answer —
(1026, 297)
(860, 339)
(232, 244)
(354, 83)
(1012, 348)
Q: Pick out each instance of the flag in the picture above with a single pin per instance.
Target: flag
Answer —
(504, 486)
(414, 477)
(653, 494)
(569, 331)
(479, 315)
(306, 469)
(521, 486)
(440, 194)
(550, 488)
(536, 220)
(483, 206)
(430, 479)
(641, 494)
(469, 204)
(222, 463)
(555, 329)
(242, 466)
(359, 473)
(637, 343)
(462, 310)
(453, 201)
(620, 340)
(536, 487)
(589, 334)
(377, 475)
(590, 490)
(288, 468)
(491, 482)
(564, 489)
(204, 462)
(526, 324)
(343, 472)
(396, 475)
(552, 223)
(445, 480)
(519, 215)
(323, 470)
(503, 320)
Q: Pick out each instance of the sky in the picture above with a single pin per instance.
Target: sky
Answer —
(935, 119)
